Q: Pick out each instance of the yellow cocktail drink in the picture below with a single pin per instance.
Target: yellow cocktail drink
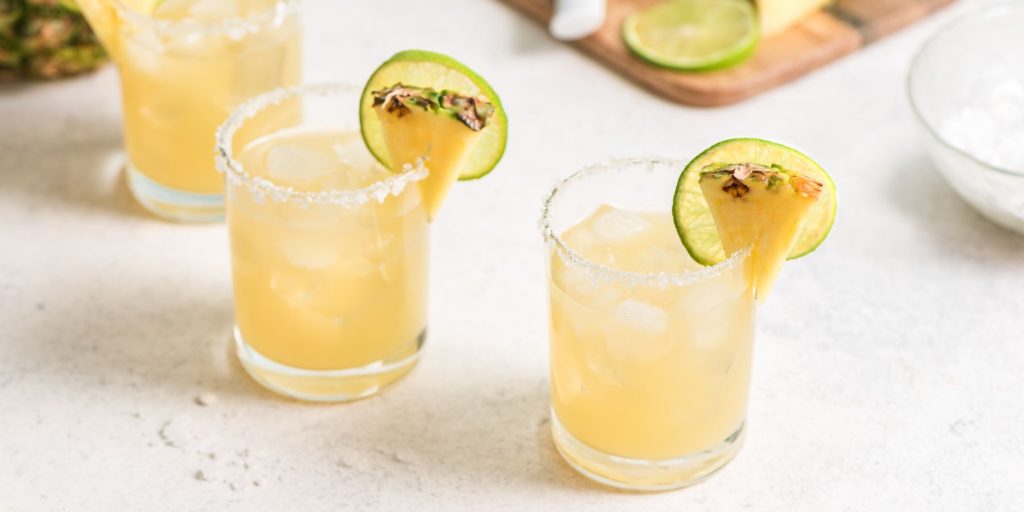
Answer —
(330, 256)
(650, 351)
(184, 65)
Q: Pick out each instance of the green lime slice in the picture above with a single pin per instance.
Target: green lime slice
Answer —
(694, 35)
(422, 68)
(693, 219)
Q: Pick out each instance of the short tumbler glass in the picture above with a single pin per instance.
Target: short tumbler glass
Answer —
(330, 275)
(181, 75)
(650, 371)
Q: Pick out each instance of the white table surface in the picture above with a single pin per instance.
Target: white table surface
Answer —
(889, 364)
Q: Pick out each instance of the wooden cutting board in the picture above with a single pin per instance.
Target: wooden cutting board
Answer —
(823, 37)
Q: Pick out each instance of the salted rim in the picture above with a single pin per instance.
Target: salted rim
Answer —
(984, 12)
(606, 273)
(280, 10)
(234, 171)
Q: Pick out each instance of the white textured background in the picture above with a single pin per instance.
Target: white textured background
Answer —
(889, 365)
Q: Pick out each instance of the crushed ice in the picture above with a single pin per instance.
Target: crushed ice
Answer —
(991, 126)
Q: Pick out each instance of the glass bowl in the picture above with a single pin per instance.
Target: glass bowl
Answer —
(966, 87)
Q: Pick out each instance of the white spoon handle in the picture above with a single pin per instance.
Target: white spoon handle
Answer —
(576, 19)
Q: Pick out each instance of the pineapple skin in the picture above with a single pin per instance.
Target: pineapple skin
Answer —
(46, 39)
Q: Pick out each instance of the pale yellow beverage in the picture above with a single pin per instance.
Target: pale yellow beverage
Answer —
(327, 287)
(184, 66)
(330, 255)
(650, 351)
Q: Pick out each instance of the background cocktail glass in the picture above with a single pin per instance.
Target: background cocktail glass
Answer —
(329, 250)
(183, 68)
(650, 371)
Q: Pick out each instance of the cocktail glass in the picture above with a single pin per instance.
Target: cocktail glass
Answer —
(650, 351)
(329, 249)
(183, 68)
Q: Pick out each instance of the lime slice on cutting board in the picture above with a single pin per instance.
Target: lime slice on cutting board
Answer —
(693, 35)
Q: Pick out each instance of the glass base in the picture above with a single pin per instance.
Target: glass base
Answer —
(324, 385)
(639, 474)
(171, 204)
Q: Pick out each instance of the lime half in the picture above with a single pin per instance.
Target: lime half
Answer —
(695, 223)
(440, 72)
(694, 35)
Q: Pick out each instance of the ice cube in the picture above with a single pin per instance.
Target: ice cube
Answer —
(584, 287)
(358, 267)
(383, 256)
(614, 225)
(294, 165)
(722, 325)
(713, 337)
(161, 113)
(300, 290)
(144, 52)
(580, 239)
(573, 322)
(727, 288)
(713, 345)
(253, 76)
(327, 300)
(192, 45)
(599, 364)
(310, 252)
(646, 319)
(637, 333)
(249, 76)
(711, 330)
(351, 152)
(579, 335)
(204, 10)
(656, 258)
(567, 379)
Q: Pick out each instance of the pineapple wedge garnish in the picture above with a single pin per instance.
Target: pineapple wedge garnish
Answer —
(438, 126)
(760, 207)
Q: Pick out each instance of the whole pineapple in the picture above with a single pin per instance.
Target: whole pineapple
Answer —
(45, 39)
